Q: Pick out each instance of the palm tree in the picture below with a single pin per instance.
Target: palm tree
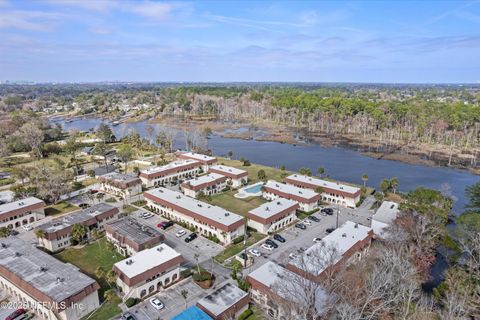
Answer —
(111, 277)
(109, 295)
(78, 232)
(100, 272)
(196, 256)
(184, 294)
(365, 179)
(320, 171)
(394, 184)
(40, 233)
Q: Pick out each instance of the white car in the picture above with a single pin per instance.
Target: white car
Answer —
(147, 215)
(317, 240)
(27, 227)
(292, 255)
(156, 303)
(268, 247)
(181, 233)
(307, 222)
(254, 252)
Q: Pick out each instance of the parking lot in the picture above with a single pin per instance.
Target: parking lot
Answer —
(205, 248)
(297, 238)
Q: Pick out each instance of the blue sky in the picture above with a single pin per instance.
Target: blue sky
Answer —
(326, 41)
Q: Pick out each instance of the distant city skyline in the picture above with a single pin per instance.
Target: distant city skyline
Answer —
(240, 41)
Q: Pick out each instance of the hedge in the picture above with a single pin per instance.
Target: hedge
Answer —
(245, 314)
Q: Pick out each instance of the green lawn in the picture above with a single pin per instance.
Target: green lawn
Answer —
(59, 208)
(127, 209)
(272, 173)
(227, 201)
(108, 310)
(88, 259)
(234, 249)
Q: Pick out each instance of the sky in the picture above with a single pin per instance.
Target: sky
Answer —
(226, 41)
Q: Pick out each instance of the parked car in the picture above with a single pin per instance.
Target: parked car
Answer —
(243, 256)
(181, 233)
(267, 246)
(300, 226)
(167, 224)
(254, 252)
(83, 205)
(272, 243)
(317, 240)
(292, 255)
(328, 211)
(191, 237)
(128, 316)
(329, 230)
(146, 215)
(307, 222)
(313, 218)
(279, 238)
(27, 227)
(15, 314)
(156, 303)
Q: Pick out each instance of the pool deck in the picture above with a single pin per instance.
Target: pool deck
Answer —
(242, 193)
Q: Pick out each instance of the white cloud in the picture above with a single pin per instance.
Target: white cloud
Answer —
(29, 20)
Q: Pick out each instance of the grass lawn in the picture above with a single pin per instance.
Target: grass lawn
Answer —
(59, 208)
(108, 310)
(234, 249)
(227, 201)
(257, 314)
(127, 209)
(272, 173)
(88, 259)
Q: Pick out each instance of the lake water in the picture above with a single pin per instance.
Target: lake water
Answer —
(339, 163)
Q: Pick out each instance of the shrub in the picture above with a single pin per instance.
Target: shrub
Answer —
(131, 302)
(91, 173)
(185, 273)
(238, 239)
(214, 239)
(245, 314)
(203, 276)
(242, 284)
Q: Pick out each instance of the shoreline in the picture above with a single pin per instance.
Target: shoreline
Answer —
(427, 155)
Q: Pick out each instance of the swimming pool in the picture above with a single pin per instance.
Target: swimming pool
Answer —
(256, 188)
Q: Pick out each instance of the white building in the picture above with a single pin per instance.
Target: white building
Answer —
(333, 192)
(56, 234)
(206, 161)
(235, 177)
(208, 220)
(384, 217)
(148, 271)
(347, 243)
(306, 198)
(121, 185)
(177, 170)
(46, 286)
(273, 215)
(209, 184)
(275, 289)
(22, 212)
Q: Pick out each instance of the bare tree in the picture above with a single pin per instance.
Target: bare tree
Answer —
(32, 136)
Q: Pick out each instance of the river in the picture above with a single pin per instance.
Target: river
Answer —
(339, 163)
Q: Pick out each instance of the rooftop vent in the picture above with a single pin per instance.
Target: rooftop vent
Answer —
(356, 225)
(344, 235)
(198, 204)
(300, 192)
(392, 206)
(267, 209)
(227, 214)
(178, 197)
(341, 188)
(21, 203)
(3, 245)
(278, 203)
(129, 262)
(60, 280)
(160, 249)
(17, 254)
(43, 269)
(276, 185)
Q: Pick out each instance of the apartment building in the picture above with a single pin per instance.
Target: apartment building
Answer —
(235, 177)
(172, 172)
(209, 184)
(273, 215)
(46, 286)
(120, 184)
(206, 219)
(227, 302)
(148, 271)
(56, 234)
(206, 161)
(307, 199)
(22, 212)
(332, 192)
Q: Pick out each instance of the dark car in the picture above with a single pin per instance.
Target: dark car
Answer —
(83, 205)
(243, 256)
(191, 237)
(128, 316)
(272, 243)
(279, 238)
(328, 211)
(167, 225)
(301, 226)
(329, 230)
(313, 218)
(15, 314)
